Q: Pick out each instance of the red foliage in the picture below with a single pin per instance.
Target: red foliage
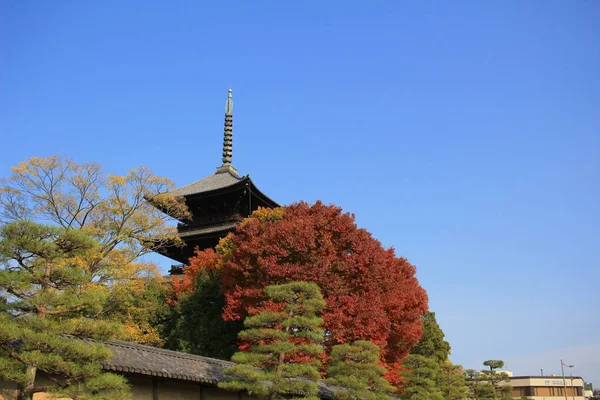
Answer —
(370, 293)
(203, 259)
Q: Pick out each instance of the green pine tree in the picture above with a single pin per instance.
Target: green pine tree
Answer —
(473, 384)
(127, 216)
(449, 378)
(48, 299)
(432, 343)
(452, 382)
(420, 378)
(285, 345)
(354, 370)
(499, 381)
(489, 384)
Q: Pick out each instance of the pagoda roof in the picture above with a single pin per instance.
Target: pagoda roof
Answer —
(220, 180)
(208, 230)
(225, 178)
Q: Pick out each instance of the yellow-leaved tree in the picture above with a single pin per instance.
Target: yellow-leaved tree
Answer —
(119, 212)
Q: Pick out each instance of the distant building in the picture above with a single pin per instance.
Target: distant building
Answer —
(588, 390)
(547, 387)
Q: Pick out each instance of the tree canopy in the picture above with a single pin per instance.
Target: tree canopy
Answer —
(420, 376)
(431, 355)
(71, 268)
(370, 293)
(498, 380)
(493, 364)
(489, 383)
(118, 212)
(452, 381)
(50, 302)
(432, 343)
(196, 325)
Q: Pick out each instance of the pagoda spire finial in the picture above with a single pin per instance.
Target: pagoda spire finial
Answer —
(228, 137)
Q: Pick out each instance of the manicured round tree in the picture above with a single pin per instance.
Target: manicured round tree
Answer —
(420, 377)
(355, 372)
(370, 293)
(281, 360)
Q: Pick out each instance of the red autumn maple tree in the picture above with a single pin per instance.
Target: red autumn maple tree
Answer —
(370, 293)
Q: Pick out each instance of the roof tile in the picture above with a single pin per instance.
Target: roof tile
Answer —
(147, 360)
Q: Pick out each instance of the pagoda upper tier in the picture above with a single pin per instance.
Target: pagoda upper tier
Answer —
(217, 203)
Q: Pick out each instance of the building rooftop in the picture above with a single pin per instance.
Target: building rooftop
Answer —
(147, 360)
(133, 358)
(545, 377)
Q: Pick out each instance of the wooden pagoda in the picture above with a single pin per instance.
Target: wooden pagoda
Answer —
(217, 203)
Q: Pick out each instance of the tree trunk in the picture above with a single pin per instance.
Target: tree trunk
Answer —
(26, 390)
(279, 370)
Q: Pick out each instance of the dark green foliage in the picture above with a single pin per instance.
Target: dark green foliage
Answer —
(47, 299)
(495, 378)
(485, 391)
(284, 345)
(197, 325)
(479, 389)
(432, 343)
(447, 377)
(354, 370)
(472, 380)
(420, 378)
(494, 364)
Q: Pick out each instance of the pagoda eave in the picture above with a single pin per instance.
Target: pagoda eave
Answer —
(201, 238)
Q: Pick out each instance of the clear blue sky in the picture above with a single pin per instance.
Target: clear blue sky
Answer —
(464, 134)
